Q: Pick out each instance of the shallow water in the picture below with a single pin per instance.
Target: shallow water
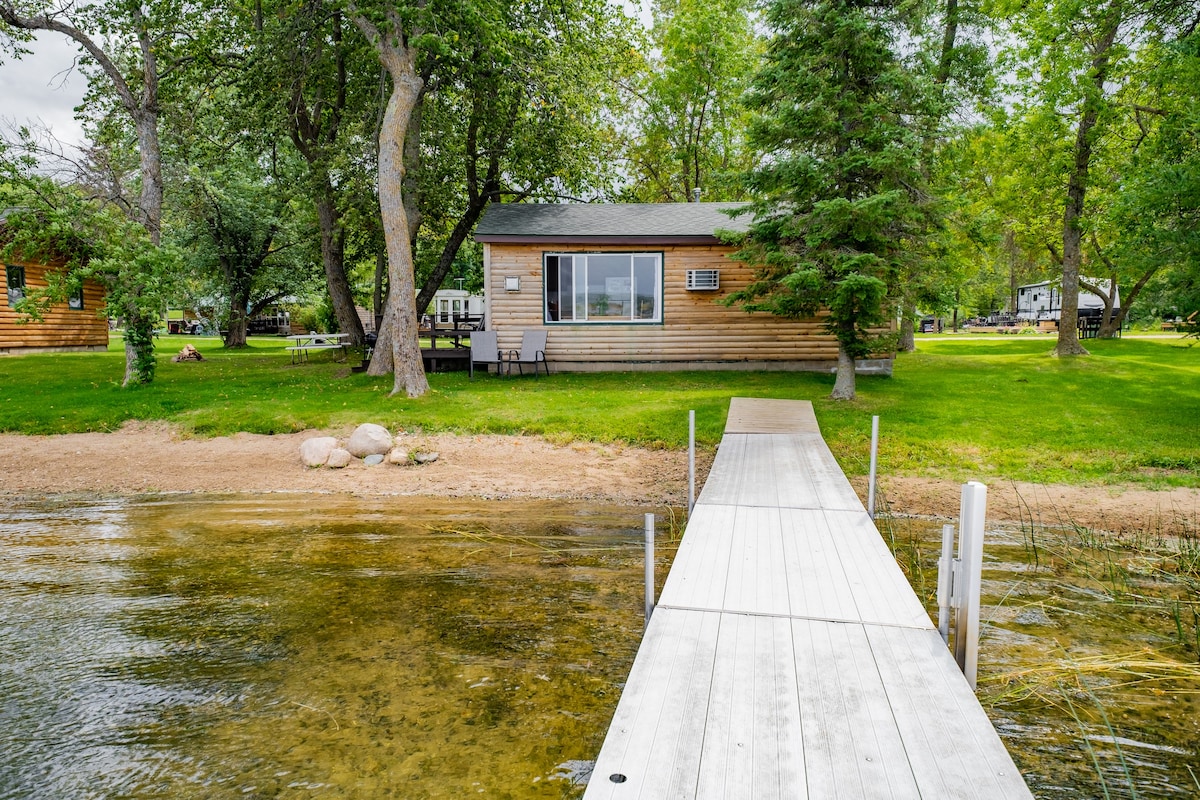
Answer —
(1089, 663)
(310, 646)
(315, 646)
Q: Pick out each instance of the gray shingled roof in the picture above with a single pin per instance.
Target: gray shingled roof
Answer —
(616, 220)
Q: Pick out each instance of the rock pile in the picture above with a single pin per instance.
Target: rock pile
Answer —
(371, 443)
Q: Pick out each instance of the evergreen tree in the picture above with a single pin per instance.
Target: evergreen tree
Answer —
(839, 198)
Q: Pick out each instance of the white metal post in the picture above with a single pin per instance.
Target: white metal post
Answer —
(649, 567)
(945, 585)
(874, 459)
(970, 554)
(691, 462)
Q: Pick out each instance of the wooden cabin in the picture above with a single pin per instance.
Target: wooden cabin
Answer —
(635, 287)
(78, 324)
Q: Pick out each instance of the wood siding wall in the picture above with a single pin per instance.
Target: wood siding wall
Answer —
(695, 330)
(63, 327)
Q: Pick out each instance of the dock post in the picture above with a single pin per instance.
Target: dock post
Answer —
(945, 582)
(691, 462)
(874, 459)
(649, 567)
(970, 554)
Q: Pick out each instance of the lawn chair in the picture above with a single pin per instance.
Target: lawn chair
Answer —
(533, 351)
(484, 350)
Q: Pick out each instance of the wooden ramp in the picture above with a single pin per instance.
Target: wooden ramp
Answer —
(788, 657)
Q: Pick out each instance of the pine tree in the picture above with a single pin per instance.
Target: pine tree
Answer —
(839, 197)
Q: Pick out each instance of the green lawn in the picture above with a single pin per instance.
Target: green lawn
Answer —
(998, 408)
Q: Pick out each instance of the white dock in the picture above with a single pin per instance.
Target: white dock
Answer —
(788, 657)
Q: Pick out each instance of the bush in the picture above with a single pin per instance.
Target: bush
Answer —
(307, 318)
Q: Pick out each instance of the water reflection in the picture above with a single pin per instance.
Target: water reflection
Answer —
(304, 646)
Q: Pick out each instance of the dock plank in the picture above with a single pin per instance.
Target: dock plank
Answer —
(653, 736)
(764, 415)
(790, 562)
(776, 470)
(703, 558)
(788, 657)
(954, 749)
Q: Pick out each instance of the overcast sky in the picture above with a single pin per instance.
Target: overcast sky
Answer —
(37, 89)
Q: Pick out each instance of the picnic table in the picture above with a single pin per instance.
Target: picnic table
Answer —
(456, 354)
(453, 335)
(304, 343)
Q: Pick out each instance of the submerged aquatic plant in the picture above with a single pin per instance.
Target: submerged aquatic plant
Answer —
(1107, 673)
(1091, 647)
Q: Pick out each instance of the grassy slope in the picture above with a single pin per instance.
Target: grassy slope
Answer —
(958, 408)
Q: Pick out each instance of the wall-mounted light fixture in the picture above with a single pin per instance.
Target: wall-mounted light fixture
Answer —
(512, 283)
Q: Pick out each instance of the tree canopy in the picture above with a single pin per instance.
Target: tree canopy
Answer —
(898, 157)
(840, 194)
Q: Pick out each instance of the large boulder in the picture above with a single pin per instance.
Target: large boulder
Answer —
(315, 452)
(369, 439)
(339, 458)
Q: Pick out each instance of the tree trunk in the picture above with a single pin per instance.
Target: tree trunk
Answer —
(140, 361)
(1068, 322)
(1106, 314)
(412, 165)
(1110, 324)
(1010, 244)
(843, 385)
(142, 107)
(908, 339)
(1111, 327)
(378, 296)
(314, 128)
(239, 321)
(399, 327)
(235, 337)
(139, 348)
(150, 162)
(333, 258)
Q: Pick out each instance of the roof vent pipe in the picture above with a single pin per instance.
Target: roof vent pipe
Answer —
(696, 195)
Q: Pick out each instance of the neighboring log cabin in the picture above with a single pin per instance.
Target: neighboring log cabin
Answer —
(78, 324)
(635, 287)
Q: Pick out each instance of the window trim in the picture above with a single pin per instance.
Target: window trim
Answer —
(11, 270)
(659, 294)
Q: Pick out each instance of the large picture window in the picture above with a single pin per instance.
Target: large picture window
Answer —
(603, 287)
(15, 279)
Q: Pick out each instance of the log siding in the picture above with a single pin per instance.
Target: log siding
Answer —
(63, 328)
(696, 332)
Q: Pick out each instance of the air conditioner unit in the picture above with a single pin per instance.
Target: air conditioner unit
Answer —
(703, 280)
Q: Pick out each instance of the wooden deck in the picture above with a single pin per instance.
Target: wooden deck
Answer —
(787, 656)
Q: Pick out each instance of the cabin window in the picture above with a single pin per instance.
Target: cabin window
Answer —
(15, 280)
(75, 298)
(603, 287)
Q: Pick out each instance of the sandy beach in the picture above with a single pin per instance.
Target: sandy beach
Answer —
(144, 459)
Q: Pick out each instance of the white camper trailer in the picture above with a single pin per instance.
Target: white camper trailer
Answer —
(1043, 301)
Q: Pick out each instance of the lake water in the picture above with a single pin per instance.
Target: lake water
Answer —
(311, 646)
(1089, 661)
(303, 646)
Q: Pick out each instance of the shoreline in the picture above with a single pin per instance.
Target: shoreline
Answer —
(143, 459)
